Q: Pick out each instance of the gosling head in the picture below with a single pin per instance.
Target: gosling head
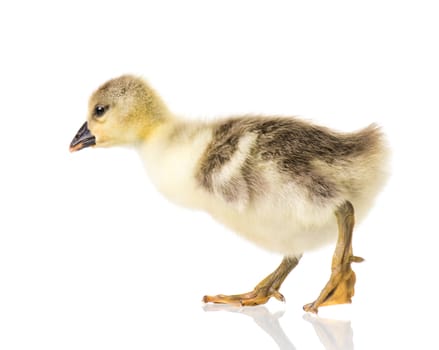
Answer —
(122, 111)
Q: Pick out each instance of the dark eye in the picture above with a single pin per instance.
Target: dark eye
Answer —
(100, 110)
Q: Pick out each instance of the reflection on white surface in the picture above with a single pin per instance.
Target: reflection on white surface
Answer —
(268, 321)
(333, 334)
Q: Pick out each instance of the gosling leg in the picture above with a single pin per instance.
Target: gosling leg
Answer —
(340, 288)
(267, 288)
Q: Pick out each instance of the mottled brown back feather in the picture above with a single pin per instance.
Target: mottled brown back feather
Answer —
(293, 145)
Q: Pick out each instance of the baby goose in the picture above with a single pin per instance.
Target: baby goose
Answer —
(282, 183)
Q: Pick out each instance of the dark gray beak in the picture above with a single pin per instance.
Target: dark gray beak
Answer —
(83, 139)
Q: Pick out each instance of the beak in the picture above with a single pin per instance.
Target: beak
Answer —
(83, 139)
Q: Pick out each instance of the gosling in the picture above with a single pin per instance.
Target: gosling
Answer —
(285, 184)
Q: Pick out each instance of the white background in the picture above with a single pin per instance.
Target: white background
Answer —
(92, 257)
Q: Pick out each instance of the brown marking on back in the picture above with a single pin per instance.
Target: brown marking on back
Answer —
(220, 151)
(293, 145)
